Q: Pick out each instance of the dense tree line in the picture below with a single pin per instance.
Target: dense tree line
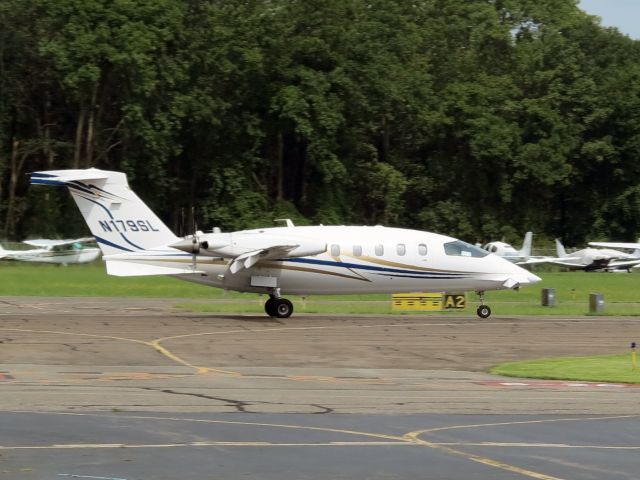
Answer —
(476, 118)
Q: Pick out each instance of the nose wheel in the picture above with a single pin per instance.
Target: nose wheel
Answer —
(483, 310)
(278, 307)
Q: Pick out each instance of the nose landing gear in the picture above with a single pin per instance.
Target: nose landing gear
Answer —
(483, 310)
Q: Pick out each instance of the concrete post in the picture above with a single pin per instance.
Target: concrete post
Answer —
(596, 303)
(548, 297)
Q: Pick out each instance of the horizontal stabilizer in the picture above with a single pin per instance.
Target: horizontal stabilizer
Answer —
(44, 243)
(533, 261)
(133, 269)
(57, 177)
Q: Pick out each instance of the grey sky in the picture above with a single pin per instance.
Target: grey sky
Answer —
(623, 14)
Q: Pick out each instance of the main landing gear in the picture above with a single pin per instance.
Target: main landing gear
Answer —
(483, 310)
(278, 307)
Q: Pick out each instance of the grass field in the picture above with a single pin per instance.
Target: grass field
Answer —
(602, 368)
(621, 292)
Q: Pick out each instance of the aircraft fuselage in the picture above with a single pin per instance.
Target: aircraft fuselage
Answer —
(356, 260)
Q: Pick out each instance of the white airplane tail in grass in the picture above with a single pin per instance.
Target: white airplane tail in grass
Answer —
(525, 251)
(560, 250)
(506, 251)
(309, 260)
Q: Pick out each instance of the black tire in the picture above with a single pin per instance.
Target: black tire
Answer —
(483, 311)
(270, 307)
(283, 308)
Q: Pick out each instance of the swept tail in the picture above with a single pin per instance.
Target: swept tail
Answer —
(525, 251)
(560, 251)
(117, 218)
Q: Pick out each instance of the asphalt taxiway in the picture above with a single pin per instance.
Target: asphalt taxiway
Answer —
(136, 389)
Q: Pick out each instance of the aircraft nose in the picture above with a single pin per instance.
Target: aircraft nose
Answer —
(523, 276)
(526, 275)
(532, 278)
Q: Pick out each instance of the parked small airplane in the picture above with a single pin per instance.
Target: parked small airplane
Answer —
(592, 259)
(289, 259)
(55, 251)
(507, 252)
(633, 246)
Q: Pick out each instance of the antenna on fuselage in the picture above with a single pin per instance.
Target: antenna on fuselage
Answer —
(287, 221)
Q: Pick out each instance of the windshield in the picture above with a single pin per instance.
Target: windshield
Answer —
(463, 249)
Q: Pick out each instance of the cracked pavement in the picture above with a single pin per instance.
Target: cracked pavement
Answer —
(79, 354)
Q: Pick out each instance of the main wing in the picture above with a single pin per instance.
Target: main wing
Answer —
(563, 261)
(629, 245)
(246, 248)
(45, 243)
(249, 259)
(624, 264)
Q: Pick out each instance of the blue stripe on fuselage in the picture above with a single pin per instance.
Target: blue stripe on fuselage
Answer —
(372, 268)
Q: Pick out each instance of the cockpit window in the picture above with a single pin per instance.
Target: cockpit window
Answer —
(463, 249)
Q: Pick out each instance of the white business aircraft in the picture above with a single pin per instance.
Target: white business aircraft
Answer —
(55, 251)
(507, 252)
(593, 259)
(279, 260)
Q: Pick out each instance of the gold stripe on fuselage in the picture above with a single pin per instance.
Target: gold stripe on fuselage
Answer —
(274, 265)
(313, 270)
(388, 263)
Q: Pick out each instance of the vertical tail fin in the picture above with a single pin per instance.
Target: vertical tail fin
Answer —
(560, 251)
(117, 218)
(525, 251)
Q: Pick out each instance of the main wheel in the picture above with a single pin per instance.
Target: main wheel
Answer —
(483, 311)
(270, 307)
(283, 308)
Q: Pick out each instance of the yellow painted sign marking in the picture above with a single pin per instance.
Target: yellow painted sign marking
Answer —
(427, 301)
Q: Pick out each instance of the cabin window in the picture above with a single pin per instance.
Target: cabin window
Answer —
(401, 249)
(335, 250)
(357, 250)
(463, 249)
(379, 249)
(422, 249)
